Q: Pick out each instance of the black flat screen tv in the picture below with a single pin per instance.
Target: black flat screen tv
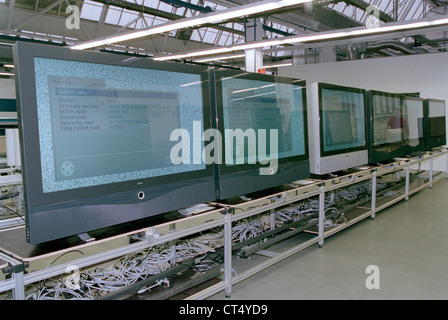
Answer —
(100, 136)
(386, 127)
(263, 123)
(434, 123)
(413, 136)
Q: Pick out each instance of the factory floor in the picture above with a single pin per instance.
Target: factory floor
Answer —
(406, 243)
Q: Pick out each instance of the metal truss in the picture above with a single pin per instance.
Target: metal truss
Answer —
(33, 20)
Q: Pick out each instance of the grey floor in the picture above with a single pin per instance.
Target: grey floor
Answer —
(408, 242)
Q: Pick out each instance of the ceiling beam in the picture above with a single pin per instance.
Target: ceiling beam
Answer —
(171, 16)
(361, 4)
(31, 18)
(188, 5)
(154, 12)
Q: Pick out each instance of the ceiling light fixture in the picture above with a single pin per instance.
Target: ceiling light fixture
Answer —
(212, 17)
(222, 58)
(277, 65)
(320, 36)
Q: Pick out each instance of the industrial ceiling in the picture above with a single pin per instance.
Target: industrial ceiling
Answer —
(45, 21)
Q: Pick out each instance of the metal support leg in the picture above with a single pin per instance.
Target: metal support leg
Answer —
(173, 245)
(321, 215)
(407, 180)
(228, 254)
(431, 164)
(446, 169)
(272, 219)
(19, 291)
(373, 194)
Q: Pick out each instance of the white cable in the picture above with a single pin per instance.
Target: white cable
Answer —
(125, 272)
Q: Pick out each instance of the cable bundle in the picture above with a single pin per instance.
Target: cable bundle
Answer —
(247, 229)
(293, 213)
(330, 201)
(357, 191)
(126, 271)
(57, 290)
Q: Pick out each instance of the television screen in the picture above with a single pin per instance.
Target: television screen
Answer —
(392, 128)
(101, 136)
(437, 127)
(412, 111)
(103, 133)
(339, 128)
(263, 122)
(342, 114)
(388, 122)
(435, 123)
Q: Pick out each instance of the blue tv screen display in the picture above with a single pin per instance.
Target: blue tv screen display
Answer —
(342, 118)
(250, 104)
(102, 124)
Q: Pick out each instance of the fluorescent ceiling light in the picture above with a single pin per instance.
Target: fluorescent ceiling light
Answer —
(277, 65)
(222, 58)
(8, 65)
(326, 35)
(6, 74)
(212, 17)
(207, 52)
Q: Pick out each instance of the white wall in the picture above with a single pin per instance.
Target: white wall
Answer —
(427, 74)
(7, 89)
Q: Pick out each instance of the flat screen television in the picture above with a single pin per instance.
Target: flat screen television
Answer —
(413, 136)
(100, 136)
(336, 117)
(386, 127)
(434, 123)
(262, 119)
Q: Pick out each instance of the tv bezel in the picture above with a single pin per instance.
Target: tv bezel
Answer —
(329, 86)
(243, 179)
(178, 190)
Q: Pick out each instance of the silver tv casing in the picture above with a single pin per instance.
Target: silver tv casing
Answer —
(320, 165)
